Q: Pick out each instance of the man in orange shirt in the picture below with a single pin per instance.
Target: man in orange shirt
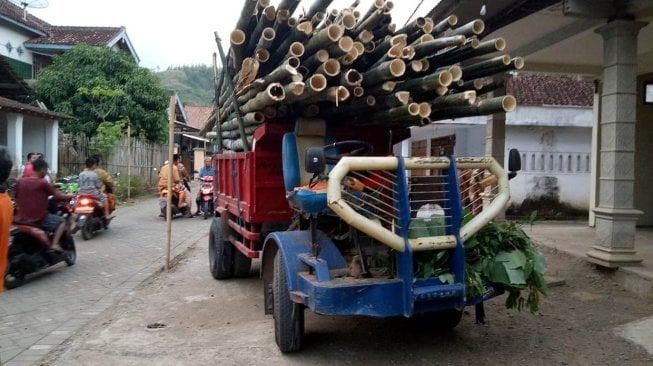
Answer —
(177, 183)
(6, 212)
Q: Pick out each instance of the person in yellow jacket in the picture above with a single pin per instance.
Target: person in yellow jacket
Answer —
(177, 184)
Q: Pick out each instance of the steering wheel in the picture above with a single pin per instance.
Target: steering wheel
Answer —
(350, 147)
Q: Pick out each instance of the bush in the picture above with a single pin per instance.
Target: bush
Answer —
(137, 187)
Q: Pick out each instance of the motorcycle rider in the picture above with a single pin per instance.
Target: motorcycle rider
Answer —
(90, 184)
(177, 185)
(6, 212)
(32, 203)
(108, 184)
(206, 171)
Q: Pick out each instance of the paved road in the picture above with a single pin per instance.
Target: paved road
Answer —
(52, 305)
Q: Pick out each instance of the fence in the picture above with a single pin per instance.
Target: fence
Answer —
(555, 162)
(74, 149)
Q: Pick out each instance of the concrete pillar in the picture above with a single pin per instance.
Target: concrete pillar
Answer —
(594, 171)
(52, 145)
(615, 214)
(15, 139)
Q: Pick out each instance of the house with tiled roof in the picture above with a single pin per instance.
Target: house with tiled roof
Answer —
(28, 43)
(198, 116)
(551, 127)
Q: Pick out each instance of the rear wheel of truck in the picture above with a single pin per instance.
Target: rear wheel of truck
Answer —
(288, 316)
(220, 252)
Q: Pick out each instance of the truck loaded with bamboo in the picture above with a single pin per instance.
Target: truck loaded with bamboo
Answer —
(357, 73)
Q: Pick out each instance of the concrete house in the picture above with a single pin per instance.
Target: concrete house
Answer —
(27, 44)
(552, 129)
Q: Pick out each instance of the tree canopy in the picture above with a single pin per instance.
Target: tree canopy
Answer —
(98, 85)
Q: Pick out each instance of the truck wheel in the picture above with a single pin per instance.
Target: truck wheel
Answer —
(242, 264)
(220, 252)
(444, 319)
(288, 316)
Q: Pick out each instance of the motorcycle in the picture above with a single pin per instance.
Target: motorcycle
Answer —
(205, 202)
(175, 199)
(68, 184)
(29, 248)
(90, 216)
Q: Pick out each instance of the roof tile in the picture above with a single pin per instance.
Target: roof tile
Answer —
(539, 89)
(198, 115)
(67, 35)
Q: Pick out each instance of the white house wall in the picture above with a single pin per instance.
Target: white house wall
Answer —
(34, 137)
(551, 116)
(555, 163)
(16, 38)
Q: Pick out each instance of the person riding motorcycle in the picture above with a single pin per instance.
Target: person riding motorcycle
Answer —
(32, 203)
(90, 184)
(177, 184)
(206, 171)
(108, 184)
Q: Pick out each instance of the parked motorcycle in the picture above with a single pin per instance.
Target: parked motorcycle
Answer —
(29, 248)
(176, 210)
(90, 216)
(68, 184)
(205, 202)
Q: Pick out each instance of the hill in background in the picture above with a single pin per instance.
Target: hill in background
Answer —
(193, 83)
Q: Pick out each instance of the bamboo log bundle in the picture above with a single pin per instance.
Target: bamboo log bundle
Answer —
(355, 65)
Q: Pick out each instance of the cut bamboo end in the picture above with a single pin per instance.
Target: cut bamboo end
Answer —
(452, 20)
(473, 42)
(295, 88)
(283, 15)
(335, 32)
(395, 51)
(365, 36)
(262, 55)
(268, 34)
(470, 96)
(389, 5)
(415, 66)
(509, 103)
(399, 39)
(360, 47)
(441, 90)
(456, 73)
(413, 109)
(275, 91)
(403, 97)
(445, 78)
(256, 117)
(317, 82)
(408, 52)
(348, 21)
(370, 100)
(237, 37)
(296, 50)
(352, 77)
(341, 93)
(425, 38)
(345, 44)
(428, 27)
(500, 44)
(263, 3)
(424, 110)
(425, 64)
(478, 26)
(369, 47)
(392, 27)
(397, 68)
(518, 62)
(505, 59)
(305, 27)
(330, 67)
(420, 22)
(358, 91)
(304, 71)
(292, 63)
(322, 55)
(292, 22)
(270, 13)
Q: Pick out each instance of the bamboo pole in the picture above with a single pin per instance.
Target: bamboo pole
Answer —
(129, 158)
(171, 142)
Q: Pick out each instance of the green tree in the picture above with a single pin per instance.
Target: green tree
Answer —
(98, 85)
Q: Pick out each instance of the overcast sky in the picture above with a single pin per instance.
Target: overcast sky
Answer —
(170, 33)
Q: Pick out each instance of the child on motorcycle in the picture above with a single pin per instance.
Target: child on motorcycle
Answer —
(90, 183)
(32, 203)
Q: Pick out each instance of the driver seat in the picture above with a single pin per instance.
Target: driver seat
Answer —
(303, 197)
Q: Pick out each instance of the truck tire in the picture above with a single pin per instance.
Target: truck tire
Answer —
(288, 316)
(444, 320)
(220, 252)
(242, 264)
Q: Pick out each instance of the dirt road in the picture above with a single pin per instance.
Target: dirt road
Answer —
(202, 321)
